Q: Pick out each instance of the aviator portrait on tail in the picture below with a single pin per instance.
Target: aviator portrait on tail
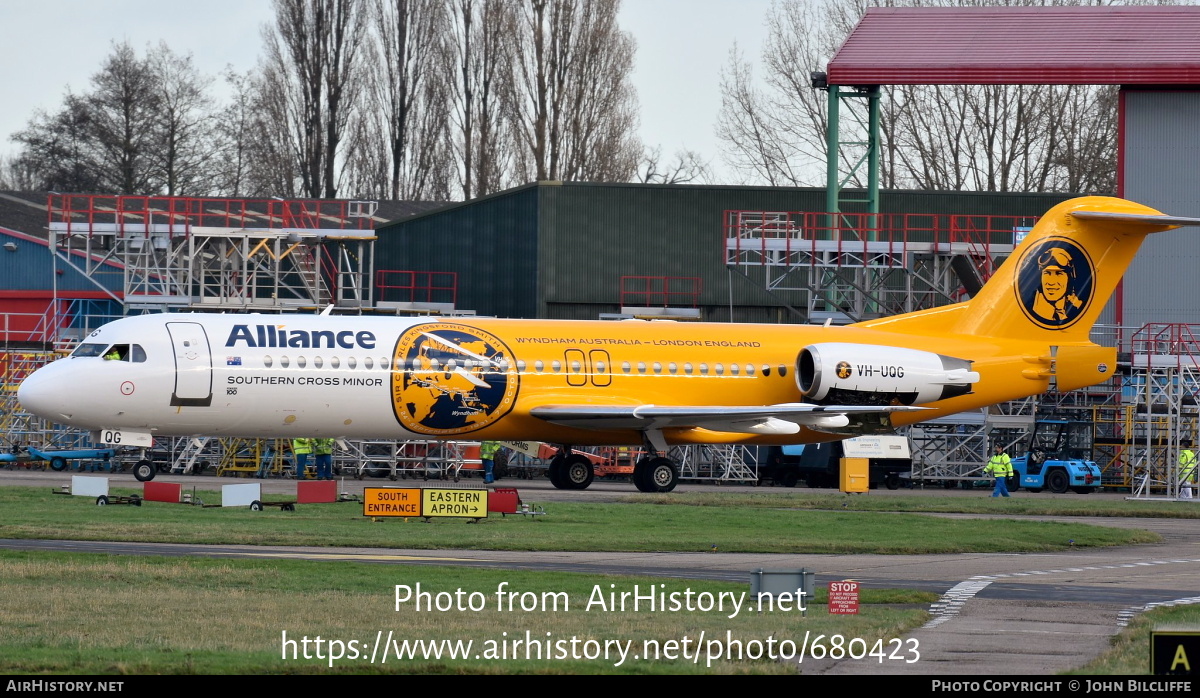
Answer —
(1055, 283)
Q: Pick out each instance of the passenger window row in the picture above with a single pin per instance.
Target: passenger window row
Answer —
(334, 362)
(539, 366)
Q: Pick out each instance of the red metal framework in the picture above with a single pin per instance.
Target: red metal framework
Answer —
(661, 291)
(1177, 341)
(798, 238)
(416, 286)
(179, 214)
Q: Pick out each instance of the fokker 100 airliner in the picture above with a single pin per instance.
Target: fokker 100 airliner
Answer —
(604, 382)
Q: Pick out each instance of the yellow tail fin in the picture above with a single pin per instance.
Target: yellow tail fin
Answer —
(1057, 280)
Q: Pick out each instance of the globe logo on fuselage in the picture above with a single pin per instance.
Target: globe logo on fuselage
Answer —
(451, 379)
(1055, 283)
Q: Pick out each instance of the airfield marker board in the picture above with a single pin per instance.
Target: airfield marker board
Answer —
(240, 495)
(441, 503)
(170, 492)
(316, 491)
(82, 486)
(391, 501)
(426, 502)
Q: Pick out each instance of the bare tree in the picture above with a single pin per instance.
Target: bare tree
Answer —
(571, 105)
(276, 156)
(983, 137)
(182, 150)
(232, 141)
(123, 107)
(686, 166)
(312, 63)
(102, 140)
(253, 160)
(1085, 159)
(776, 133)
(477, 56)
(14, 175)
(401, 138)
(57, 151)
(414, 99)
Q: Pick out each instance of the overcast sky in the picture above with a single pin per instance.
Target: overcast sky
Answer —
(58, 44)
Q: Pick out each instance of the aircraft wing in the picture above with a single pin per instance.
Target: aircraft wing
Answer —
(785, 418)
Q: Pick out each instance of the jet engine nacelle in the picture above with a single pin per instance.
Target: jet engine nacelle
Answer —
(865, 374)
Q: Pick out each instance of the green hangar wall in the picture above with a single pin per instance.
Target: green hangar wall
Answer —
(559, 250)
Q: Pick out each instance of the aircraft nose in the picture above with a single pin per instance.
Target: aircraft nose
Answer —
(42, 393)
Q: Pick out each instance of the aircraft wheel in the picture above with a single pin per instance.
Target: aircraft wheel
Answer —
(1035, 490)
(576, 472)
(555, 471)
(639, 478)
(256, 505)
(1057, 481)
(101, 501)
(789, 478)
(57, 463)
(892, 481)
(661, 475)
(143, 471)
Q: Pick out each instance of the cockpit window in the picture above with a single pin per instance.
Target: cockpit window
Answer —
(86, 350)
(137, 353)
(117, 352)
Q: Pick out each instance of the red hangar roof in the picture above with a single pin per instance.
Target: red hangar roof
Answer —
(1111, 45)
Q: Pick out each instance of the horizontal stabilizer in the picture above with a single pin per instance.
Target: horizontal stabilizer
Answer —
(1143, 219)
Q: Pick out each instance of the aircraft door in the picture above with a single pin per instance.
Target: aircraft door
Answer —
(193, 365)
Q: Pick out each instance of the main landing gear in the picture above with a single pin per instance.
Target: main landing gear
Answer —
(573, 471)
(655, 474)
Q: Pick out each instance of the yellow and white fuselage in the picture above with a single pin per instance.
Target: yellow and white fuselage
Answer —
(605, 382)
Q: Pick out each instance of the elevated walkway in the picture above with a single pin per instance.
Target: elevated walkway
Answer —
(868, 265)
(217, 254)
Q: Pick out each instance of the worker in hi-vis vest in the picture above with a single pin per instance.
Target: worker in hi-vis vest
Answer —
(1000, 467)
(487, 454)
(302, 448)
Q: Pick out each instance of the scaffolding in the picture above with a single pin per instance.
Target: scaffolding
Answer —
(20, 428)
(1162, 390)
(248, 457)
(423, 459)
(850, 267)
(716, 462)
(217, 254)
(147, 254)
